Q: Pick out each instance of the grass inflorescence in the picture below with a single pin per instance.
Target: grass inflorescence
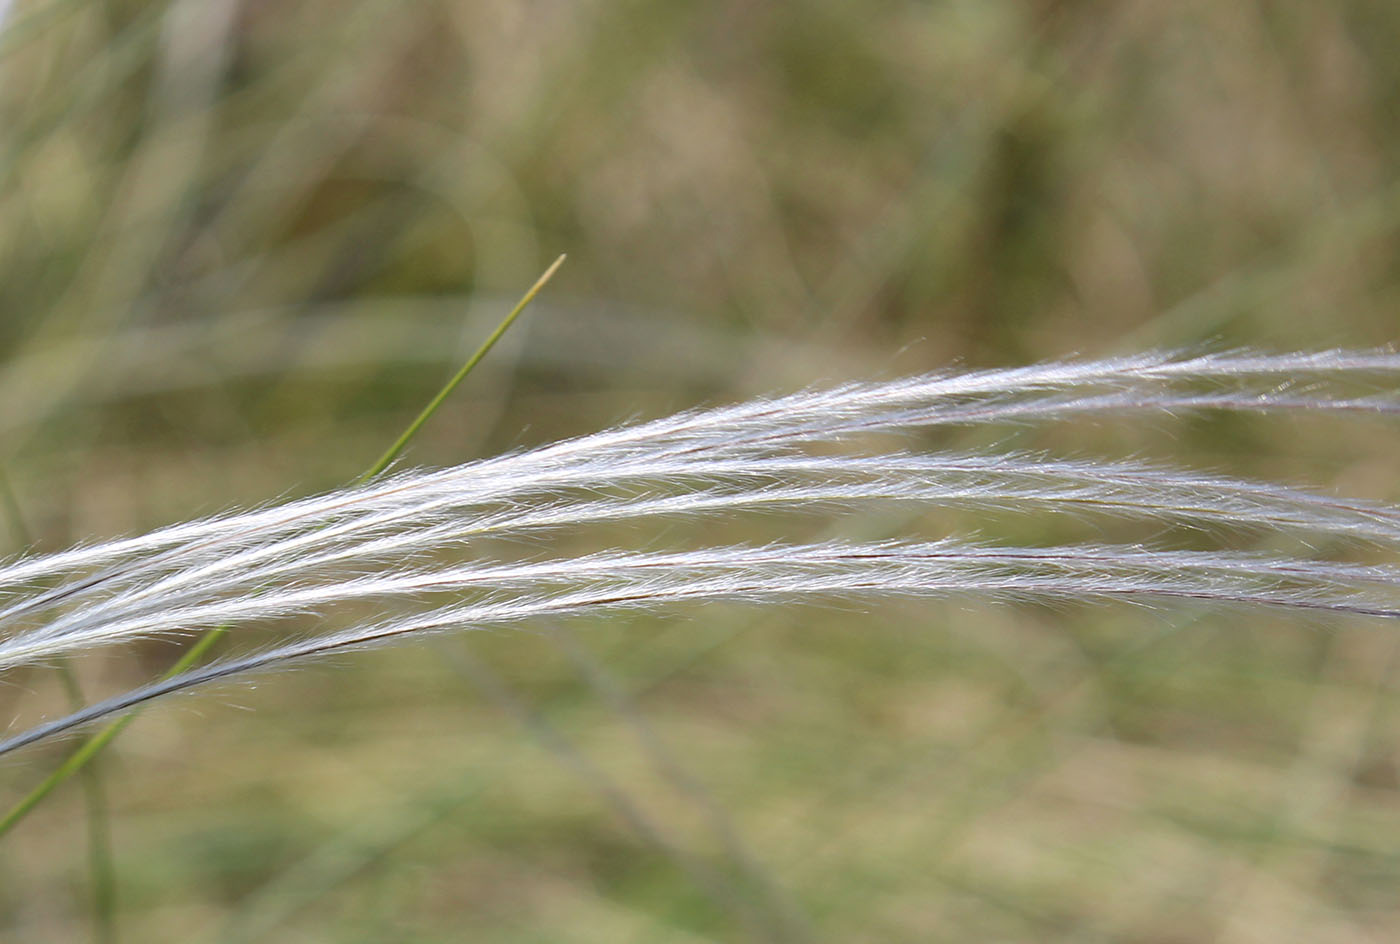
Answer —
(432, 551)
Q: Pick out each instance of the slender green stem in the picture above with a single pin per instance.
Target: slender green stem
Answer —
(94, 745)
(397, 448)
(101, 868)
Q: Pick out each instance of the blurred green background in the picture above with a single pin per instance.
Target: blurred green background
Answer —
(242, 242)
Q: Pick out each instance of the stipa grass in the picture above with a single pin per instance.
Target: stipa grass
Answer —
(398, 543)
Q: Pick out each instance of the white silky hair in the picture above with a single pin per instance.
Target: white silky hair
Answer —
(384, 542)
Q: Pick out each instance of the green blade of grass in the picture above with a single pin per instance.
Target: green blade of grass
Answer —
(394, 451)
(90, 748)
(94, 745)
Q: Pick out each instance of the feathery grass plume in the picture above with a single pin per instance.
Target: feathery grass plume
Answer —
(384, 541)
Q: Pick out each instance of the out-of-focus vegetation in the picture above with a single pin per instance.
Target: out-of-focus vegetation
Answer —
(242, 242)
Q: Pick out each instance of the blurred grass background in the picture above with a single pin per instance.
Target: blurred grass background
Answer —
(242, 242)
